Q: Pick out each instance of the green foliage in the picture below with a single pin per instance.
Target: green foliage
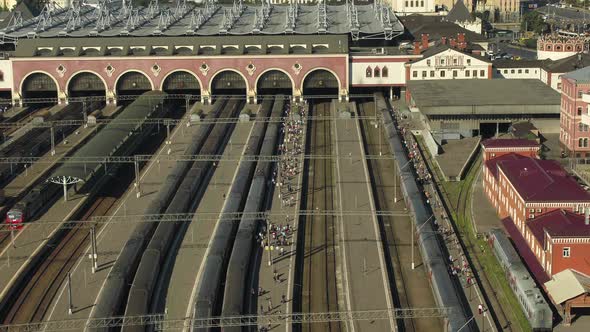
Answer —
(530, 43)
(533, 21)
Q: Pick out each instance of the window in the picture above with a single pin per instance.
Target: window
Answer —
(474, 73)
(579, 111)
(468, 61)
(412, 3)
(512, 71)
(369, 72)
(526, 71)
(407, 4)
(566, 252)
(384, 72)
(580, 126)
(422, 3)
(428, 62)
(505, 71)
(531, 216)
(377, 72)
(538, 210)
(520, 71)
(432, 73)
(498, 71)
(580, 142)
(532, 210)
(482, 73)
(442, 61)
(454, 73)
(467, 73)
(558, 86)
(1, 76)
(579, 94)
(415, 73)
(455, 61)
(424, 74)
(442, 73)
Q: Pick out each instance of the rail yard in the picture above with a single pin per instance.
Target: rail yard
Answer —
(236, 210)
(156, 176)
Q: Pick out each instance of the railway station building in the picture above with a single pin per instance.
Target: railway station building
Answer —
(467, 108)
(495, 148)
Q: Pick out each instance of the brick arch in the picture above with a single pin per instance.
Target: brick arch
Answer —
(274, 69)
(133, 71)
(322, 68)
(69, 79)
(177, 70)
(248, 84)
(22, 81)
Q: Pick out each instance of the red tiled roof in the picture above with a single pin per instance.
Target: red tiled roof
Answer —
(525, 252)
(509, 143)
(542, 181)
(491, 164)
(559, 223)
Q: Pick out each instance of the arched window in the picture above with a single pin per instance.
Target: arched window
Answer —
(384, 72)
(377, 72)
(568, 47)
(558, 48)
(579, 48)
(1, 76)
(548, 47)
(369, 72)
(585, 142)
(580, 142)
(580, 126)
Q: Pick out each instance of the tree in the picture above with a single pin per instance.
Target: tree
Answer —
(533, 21)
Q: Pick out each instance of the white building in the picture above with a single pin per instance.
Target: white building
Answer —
(443, 62)
(461, 16)
(404, 7)
(521, 69)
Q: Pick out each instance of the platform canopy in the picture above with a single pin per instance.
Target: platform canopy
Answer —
(109, 139)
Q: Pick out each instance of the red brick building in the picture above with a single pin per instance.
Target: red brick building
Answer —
(554, 242)
(524, 188)
(494, 148)
(574, 133)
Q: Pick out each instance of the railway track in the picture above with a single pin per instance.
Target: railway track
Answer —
(319, 290)
(407, 290)
(35, 298)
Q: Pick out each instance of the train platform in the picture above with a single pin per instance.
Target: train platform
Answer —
(12, 112)
(273, 289)
(365, 285)
(34, 172)
(184, 277)
(112, 237)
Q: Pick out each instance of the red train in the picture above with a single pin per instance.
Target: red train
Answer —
(36, 201)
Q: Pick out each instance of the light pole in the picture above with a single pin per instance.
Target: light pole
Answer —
(414, 234)
(395, 178)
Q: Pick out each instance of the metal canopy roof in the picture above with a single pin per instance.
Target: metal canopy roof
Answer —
(108, 140)
(109, 19)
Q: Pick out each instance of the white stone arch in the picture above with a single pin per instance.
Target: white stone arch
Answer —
(276, 69)
(67, 87)
(129, 71)
(20, 89)
(321, 68)
(229, 69)
(180, 70)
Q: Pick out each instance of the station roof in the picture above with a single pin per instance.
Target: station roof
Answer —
(109, 139)
(483, 92)
(580, 75)
(492, 164)
(181, 46)
(567, 284)
(559, 223)
(436, 28)
(111, 19)
(539, 180)
(459, 13)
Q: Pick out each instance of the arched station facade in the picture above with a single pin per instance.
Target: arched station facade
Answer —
(206, 75)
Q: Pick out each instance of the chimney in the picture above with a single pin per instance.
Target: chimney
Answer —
(587, 216)
(461, 37)
(443, 40)
(452, 42)
(462, 46)
(425, 41)
(416, 48)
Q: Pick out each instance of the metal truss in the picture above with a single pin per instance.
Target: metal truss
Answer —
(162, 322)
(169, 121)
(322, 17)
(199, 217)
(169, 158)
(291, 18)
(231, 16)
(200, 17)
(16, 21)
(353, 20)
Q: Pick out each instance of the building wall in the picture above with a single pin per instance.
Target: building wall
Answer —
(360, 68)
(553, 55)
(518, 73)
(499, 152)
(412, 6)
(448, 65)
(579, 255)
(5, 75)
(574, 135)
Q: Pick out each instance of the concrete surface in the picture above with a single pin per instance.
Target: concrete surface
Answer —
(455, 156)
(366, 285)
